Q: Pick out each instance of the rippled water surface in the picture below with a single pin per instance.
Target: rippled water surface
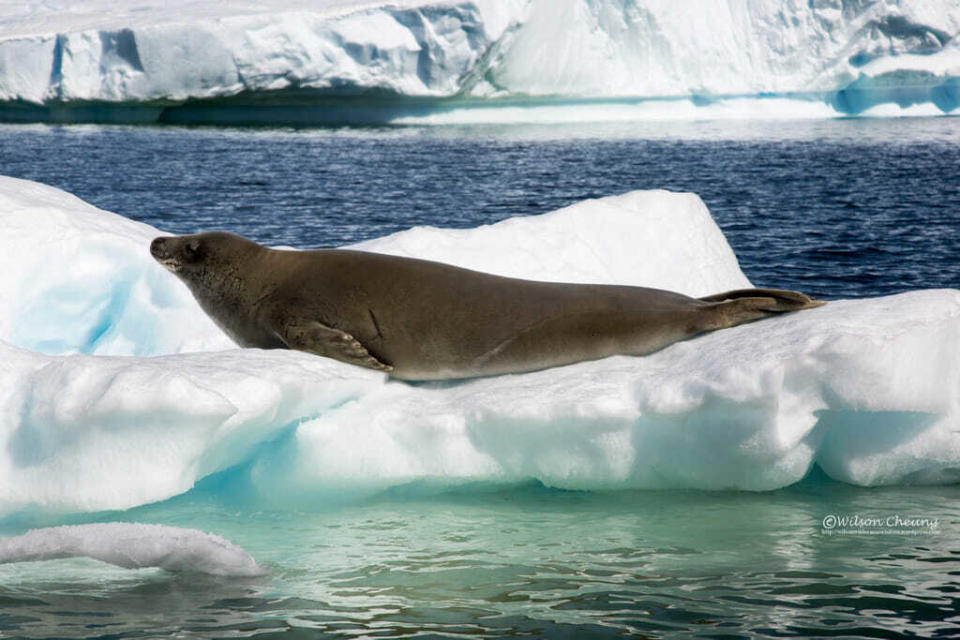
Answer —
(529, 562)
(836, 208)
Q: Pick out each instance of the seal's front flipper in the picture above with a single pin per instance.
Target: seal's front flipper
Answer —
(317, 338)
(772, 300)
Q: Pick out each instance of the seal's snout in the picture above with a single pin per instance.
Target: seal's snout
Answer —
(160, 250)
(156, 248)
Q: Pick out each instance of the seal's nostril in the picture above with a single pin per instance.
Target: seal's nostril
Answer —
(156, 245)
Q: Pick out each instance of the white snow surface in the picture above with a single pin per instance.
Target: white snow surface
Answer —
(116, 391)
(77, 279)
(70, 51)
(134, 546)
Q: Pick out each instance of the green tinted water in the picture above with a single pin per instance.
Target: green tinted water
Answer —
(528, 561)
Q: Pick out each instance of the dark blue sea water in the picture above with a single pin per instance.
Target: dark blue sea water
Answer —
(835, 208)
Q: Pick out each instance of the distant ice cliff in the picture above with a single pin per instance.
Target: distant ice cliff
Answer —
(354, 61)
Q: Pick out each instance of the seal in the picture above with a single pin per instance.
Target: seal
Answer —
(423, 320)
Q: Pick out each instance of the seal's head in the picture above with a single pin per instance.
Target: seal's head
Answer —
(222, 271)
(193, 258)
(174, 252)
(181, 254)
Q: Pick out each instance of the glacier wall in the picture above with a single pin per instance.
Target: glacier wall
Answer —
(116, 391)
(183, 61)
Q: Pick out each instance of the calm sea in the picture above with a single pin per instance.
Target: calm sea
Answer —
(840, 208)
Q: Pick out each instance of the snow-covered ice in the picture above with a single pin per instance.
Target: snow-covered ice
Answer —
(184, 60)
(76, 279)
(134, 546)
(116, 391)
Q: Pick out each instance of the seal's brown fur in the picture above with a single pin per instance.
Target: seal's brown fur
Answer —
(422, 320)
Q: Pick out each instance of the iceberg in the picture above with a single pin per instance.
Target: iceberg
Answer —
(356, 61)
(134, 546)
(116, 391)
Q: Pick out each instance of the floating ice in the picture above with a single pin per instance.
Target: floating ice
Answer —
(654, 238)
(134, 546)
(867, 389)
(85, 433)
(74, 278)
(294, 60)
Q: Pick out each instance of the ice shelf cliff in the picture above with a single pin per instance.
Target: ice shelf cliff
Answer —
(353, 61)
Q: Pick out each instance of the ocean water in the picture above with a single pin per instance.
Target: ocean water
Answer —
(836, 208)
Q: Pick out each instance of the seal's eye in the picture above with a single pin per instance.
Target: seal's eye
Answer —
(192, 250)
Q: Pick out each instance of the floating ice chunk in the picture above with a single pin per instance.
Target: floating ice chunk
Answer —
(77, 279)
(91, 433)
(656, 238)
(134, 546)
(868, 389)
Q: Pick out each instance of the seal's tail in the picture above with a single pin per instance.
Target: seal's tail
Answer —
(746, 305)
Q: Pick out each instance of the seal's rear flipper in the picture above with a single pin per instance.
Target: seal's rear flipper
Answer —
(772, 300)
(746, 305)
(317, 338)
